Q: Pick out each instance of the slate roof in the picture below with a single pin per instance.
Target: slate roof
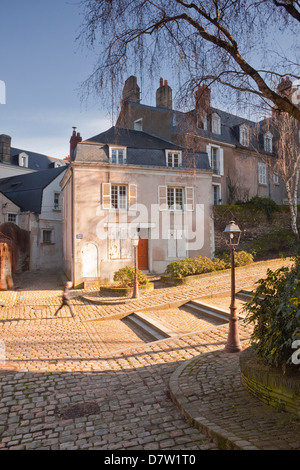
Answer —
(36, 161)
(26, 190)
(229, 126)
(142, 149)
(133, 139)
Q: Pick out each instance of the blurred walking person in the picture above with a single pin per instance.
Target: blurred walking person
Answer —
(66, 300)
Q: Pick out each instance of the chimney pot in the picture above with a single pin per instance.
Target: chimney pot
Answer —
(74, 141)
(164, 95)
(161, 82)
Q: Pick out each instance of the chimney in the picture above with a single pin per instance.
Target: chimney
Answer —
(75, 138)
(202, 96)
(131, 90)
(164, 95)
(5, 142)
(285, 88)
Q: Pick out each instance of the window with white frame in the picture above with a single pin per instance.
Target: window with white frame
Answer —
(268, 142)
(118, 196)
(173, 159)
(202, 121)
(216, 194)
(117, 155)
(175, 198)
(275, 179)
(23, 159)
(47, 236)
(215, 124)
(262, 173)
(12, 217)
(172, 198)
(244, 135)
(138, 125)
(56, 201)
(216, 159)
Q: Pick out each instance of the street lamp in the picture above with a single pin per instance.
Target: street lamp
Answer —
(135, 294)
(233, 342)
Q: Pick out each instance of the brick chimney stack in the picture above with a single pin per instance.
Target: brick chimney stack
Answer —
(131, 90)
(164, 95)
(5, 143)
(75, 138)
(285, 88)
(203, 95)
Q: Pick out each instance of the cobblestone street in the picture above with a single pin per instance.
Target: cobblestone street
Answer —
(92, 382)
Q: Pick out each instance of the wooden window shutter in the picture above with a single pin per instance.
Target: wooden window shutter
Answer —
(106, 195)
(132, 197)
(221, 156)
(189, 198)
(162, 198)
(208, 151)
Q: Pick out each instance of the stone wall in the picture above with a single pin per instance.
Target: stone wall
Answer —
(270, 385)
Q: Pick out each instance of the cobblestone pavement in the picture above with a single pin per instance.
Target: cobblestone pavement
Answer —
(92, 382)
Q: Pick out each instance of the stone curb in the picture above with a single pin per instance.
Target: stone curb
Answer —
(222, 438)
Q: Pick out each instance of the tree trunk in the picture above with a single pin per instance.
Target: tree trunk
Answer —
(292, 198)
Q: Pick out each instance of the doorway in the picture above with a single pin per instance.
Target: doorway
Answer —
(143, 264)
(89, 260)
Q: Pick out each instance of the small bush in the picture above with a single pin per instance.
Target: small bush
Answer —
(125, 277)
(262, 203)
(275, 313)
(202, 264)
(278, 242)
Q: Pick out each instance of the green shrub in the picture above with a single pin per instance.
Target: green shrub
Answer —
(262, 203)
(125, 277)
(202, 264)
(275, 313)
(278, 242)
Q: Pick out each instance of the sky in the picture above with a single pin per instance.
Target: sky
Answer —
(41, 69)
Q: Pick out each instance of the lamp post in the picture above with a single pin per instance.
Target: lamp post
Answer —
(135, 294)
(233, 342)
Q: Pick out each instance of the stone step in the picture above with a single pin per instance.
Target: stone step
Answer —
(151, 327)
(209, 311)
(246, 295)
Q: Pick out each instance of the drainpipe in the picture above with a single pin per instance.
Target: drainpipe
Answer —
(37, 217)
(72, 224)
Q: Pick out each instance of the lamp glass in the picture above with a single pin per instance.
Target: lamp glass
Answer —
(135, 241)
(234, 233)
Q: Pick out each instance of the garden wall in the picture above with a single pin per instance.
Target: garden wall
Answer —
(270, 385)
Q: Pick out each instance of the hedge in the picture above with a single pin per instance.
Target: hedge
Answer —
(202, 264)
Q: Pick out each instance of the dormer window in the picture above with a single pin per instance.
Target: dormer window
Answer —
(215, 124)
(202, 121)
(244, 135)
(268, 142)
(23, 159)
(117, 155)
(173, 159)
(138, 125)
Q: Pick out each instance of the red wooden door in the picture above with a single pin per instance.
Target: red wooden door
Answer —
(143, 254)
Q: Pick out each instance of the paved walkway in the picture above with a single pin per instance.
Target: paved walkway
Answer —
(93, 383)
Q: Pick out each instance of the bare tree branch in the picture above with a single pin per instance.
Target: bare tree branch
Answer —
(201, 33)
